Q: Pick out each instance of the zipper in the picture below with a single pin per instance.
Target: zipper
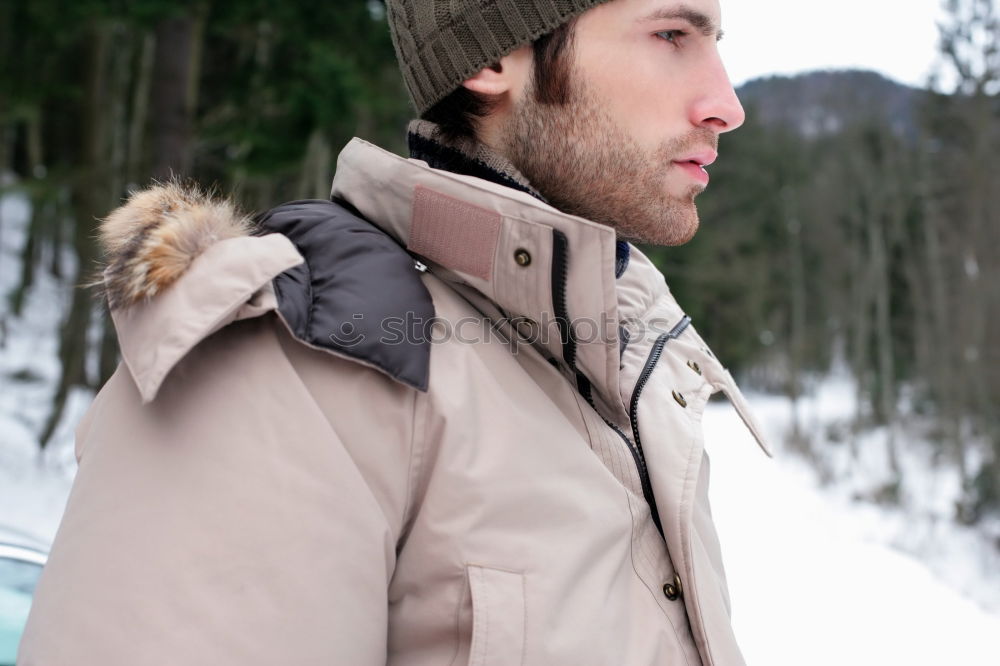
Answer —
(654, 357)
(635, 449)
(560, 273)
(560, 270)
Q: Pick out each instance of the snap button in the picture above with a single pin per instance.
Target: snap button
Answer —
(694, 366)
(680, 399)
(672, 591)
(522, 257)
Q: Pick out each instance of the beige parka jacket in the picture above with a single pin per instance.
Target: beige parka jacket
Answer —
(248, 495)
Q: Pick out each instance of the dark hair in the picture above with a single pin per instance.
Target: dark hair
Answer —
(458, 115)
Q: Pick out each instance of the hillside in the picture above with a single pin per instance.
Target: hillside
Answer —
(823, 102)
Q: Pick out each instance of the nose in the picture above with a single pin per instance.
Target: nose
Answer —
(717, 107)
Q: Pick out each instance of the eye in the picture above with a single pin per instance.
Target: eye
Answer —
(672, 36)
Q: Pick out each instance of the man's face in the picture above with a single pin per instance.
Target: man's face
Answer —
(649, 97)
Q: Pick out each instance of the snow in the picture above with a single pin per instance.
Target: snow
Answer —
(33, 487)
(816, 576)
(815, 579)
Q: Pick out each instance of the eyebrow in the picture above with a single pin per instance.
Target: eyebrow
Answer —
(697, 19)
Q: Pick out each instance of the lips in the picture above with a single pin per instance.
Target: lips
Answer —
(694, 164)
(694, 170)
(701, 158)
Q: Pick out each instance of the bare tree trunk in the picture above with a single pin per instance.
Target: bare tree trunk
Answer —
(314, 180)
(35, 231)
(860, 327)
(915, 270)
(883, 331)
(246, 186)
(797, 297)
(6, 141)
(980, 239)
(33, 143)
(125, 149)
(174, 95)
(140, 109)
(118, 108)
(6, 104)
(943, 374)
(29, 262)
(90, 199)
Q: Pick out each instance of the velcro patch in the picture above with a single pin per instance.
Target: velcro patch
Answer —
(453, 233)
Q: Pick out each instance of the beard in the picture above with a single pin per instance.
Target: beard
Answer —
(585, 164)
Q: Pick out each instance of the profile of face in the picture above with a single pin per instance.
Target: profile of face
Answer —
(648, 97)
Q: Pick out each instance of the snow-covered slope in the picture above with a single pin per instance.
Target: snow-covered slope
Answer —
(33, 487)
(814, 578)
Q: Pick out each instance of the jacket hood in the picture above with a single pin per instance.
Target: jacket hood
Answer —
(153, 239)
(180, 265)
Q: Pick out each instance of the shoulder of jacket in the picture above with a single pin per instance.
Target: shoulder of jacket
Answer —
(357, 293)
(182, 263)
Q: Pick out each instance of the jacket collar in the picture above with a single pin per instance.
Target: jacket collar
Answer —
(533, 261)
(465, 156)
(471, 158)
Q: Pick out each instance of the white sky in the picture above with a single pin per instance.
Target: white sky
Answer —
(895, 37)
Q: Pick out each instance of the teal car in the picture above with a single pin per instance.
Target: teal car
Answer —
(21, 562)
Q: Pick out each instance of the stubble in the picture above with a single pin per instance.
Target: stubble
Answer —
(576, 156)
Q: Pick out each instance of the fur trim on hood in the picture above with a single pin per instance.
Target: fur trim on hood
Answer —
(151, 240)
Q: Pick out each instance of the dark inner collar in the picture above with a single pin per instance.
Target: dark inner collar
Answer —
(464, 156)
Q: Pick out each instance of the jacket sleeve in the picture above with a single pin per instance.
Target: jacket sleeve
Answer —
(226, 522)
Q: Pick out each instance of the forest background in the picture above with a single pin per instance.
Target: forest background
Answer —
(852, 225)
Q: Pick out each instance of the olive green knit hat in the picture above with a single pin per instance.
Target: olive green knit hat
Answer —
(440, 43)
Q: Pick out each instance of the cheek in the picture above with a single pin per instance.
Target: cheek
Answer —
(653, 116)
(639, 94)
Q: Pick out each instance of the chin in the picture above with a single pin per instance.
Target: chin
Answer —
(678, 227)
(671, 232)
(688, 233)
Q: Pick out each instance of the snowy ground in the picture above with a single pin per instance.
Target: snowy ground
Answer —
(819, 579)
(33, 487)
(816, 577)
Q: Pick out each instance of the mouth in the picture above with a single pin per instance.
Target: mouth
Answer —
(694, 164)
(694, 170)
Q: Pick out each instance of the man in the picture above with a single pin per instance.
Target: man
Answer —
(450, 416)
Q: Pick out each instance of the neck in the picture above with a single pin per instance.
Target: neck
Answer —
(470, 157)
(466, 156)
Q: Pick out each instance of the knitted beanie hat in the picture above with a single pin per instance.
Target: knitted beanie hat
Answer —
(440, 43)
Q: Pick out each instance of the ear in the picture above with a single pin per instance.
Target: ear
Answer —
(490, 80)
(507, 76)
